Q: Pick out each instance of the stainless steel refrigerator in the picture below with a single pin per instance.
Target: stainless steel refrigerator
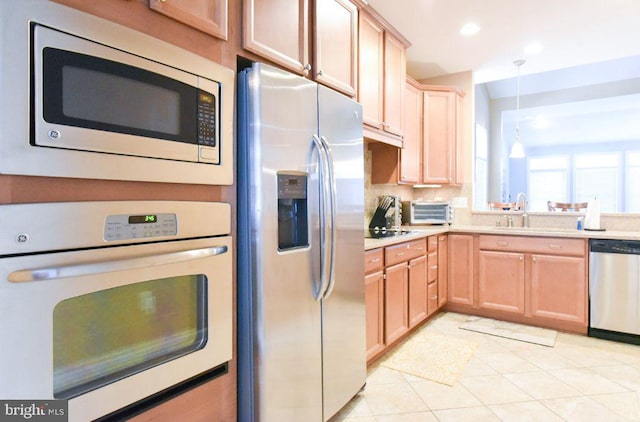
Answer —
(301, 312)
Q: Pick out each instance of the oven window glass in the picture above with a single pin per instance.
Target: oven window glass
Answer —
(101, 337)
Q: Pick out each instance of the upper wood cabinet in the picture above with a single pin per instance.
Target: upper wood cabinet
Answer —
(208, 16)
(382, 73)
(412, 146)
(439, 134)
(336, 45)
(278, 30)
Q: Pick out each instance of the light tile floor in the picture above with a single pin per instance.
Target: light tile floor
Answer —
(579, 379)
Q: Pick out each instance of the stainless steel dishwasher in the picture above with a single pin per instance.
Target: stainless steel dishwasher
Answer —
(614, 290)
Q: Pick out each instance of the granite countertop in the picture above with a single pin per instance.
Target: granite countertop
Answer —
(417, 232)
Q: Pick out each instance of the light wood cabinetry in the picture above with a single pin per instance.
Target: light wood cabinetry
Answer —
(558, 288)
(439, 137)
(208, 16)
(412, 147)
(443, 269)
(381, 74)
(417, 290)
(405, 294)
(374, 300)
(396, 302)
(501, 281)
(278, 30)
(532, 280)
(336, 45)
(461, 269)
(432, 150)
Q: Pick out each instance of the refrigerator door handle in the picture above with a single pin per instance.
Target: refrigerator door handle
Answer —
(325, 197)
(332, 216)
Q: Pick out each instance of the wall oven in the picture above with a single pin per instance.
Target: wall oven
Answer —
(83, 97)
(107, 303)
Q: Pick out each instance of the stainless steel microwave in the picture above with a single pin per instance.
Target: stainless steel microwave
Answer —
(87, 98)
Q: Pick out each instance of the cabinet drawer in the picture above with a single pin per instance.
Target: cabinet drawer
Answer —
(404, 251)
(432, 272)
(543, 245)
(373, 260)
(432, 243)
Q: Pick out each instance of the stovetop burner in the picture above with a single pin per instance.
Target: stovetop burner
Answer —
(377, 233)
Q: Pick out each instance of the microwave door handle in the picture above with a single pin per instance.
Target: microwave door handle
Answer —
(332, 217)
(324, 197)
(104, 267)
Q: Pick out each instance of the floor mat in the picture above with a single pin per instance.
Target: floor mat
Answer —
(432, 356)
(510, 330)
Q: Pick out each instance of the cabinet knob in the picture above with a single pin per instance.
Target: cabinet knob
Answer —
(400, 254)
(434, 297)
(374, 260)
(434, 267)
(320, 73)
(307, 69)
(533, 259)
(522, 258)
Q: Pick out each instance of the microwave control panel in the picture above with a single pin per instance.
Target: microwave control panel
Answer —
(207, 119)
(129, 226)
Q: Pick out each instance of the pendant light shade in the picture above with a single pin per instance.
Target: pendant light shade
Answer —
(517, 150)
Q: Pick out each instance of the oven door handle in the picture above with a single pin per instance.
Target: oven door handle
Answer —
(104, 267)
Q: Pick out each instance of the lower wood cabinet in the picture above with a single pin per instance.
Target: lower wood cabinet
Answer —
(374, 299)
(534, 280)
(461, 269)
(558, 288)
(417, 290)
(501, 281)
(396, 302)
(402, 287)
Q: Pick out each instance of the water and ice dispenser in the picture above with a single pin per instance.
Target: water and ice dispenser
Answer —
(293, 226)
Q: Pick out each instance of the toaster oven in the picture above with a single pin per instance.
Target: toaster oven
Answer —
(427, 212)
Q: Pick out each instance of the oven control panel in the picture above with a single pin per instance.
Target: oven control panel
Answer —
(139, 226)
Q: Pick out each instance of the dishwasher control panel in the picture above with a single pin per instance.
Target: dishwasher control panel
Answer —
(128, 226)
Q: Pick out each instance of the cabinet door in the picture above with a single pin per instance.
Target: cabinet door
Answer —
(208, 16)
(370, 77)
(501, 281)
(374, 300)
(395, 302)
(394, 81)
(438, 136)
(461, 268)
(443, 278)
(410, 152)
(336, 45)
(417, 290)
(559, 288)
(278, 30)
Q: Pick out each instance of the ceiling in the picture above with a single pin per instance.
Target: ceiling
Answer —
(587, 45)
(571, 32)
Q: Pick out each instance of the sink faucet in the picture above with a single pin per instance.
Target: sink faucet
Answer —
(522, 199)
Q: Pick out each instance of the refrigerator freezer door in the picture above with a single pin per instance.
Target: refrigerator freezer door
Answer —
(280, 368)
(343, 310)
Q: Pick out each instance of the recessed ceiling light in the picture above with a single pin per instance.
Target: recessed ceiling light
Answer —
(533, 48)
(469, 29)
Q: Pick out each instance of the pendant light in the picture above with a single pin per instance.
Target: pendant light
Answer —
(517, 150)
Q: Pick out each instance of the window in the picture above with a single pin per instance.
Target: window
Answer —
(548, 181)
(481, 169)
(632, 177)
(597, 176)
